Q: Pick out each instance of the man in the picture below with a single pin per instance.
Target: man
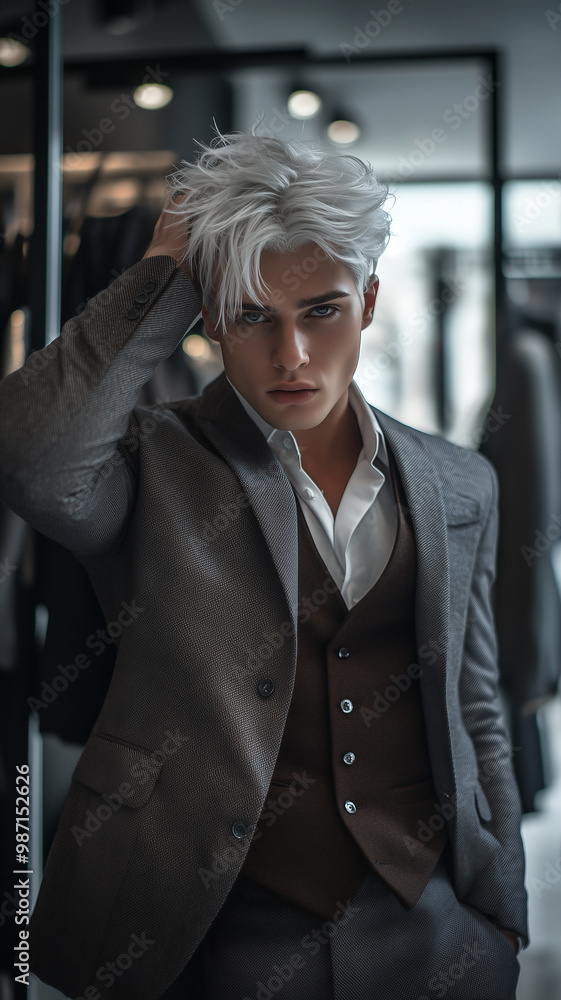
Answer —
(300, 779)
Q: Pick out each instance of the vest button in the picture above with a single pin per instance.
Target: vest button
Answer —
(133, 313)
(239, 829)
(346, 705)
(266, 687)
(141, 298)
(149, 286)
(349, 758)
(343, 653)
(350, 806)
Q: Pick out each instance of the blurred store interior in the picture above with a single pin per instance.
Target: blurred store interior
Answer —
(457, 107)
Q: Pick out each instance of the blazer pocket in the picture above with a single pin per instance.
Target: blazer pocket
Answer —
(110, 767)
(482, 804)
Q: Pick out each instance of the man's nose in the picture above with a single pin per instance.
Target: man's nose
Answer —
(290, 347)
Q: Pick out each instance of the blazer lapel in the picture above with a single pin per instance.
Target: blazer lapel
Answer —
(234, 434)
(432, 616)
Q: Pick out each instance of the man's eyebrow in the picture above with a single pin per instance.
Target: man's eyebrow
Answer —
(302, 303)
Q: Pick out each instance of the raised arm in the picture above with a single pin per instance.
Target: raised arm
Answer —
(64, 467)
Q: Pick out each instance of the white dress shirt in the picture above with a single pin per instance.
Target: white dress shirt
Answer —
(356, 544)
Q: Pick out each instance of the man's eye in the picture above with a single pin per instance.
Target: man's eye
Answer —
(252, 317)
(330, 308)
(255, 318)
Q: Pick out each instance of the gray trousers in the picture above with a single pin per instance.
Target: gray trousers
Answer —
(260, 947)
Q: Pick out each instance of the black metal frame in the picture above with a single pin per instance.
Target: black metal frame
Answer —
(46, 242)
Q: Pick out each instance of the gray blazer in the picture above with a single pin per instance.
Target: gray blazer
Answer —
(187, 526)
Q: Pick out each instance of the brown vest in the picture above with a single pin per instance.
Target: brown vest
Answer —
(329, 818)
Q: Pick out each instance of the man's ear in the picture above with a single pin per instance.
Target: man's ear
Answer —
(370, 294)
(210, 329)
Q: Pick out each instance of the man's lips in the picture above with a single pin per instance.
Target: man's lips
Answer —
(292, 386)
(292, 395)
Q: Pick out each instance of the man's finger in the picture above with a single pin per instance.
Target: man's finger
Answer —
(176, 197)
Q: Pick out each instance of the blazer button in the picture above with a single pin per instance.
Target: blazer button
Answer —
(141, 298)
(350, 806)
(148, 286)
(239, 829)
(346, 705)
(349, 758)
(343, 653)
(133, 313)
(266, 687)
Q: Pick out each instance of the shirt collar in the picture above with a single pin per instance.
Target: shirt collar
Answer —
(372, 435)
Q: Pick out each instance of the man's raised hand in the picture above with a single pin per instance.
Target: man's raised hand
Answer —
(170, 238)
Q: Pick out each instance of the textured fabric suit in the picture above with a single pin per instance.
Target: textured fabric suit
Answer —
(188, 528)
(338, 750)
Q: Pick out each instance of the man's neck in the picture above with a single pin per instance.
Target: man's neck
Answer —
(334, 444)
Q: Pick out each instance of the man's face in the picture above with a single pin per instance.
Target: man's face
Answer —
(286, 338)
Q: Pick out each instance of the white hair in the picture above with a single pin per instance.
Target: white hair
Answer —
(246, 193)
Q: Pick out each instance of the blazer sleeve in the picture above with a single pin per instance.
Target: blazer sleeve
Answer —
(501, 893)
(64, 463)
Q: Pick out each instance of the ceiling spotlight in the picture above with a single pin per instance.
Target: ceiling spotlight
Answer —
(303, 104)
(343, 132)
(152, 96)
(12, 52)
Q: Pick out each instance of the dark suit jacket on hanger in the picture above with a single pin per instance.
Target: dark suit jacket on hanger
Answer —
(187, 525)
(524, 445)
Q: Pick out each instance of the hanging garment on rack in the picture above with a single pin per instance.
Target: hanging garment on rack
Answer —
(108, 246)
(524, 444)
(525, 449)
